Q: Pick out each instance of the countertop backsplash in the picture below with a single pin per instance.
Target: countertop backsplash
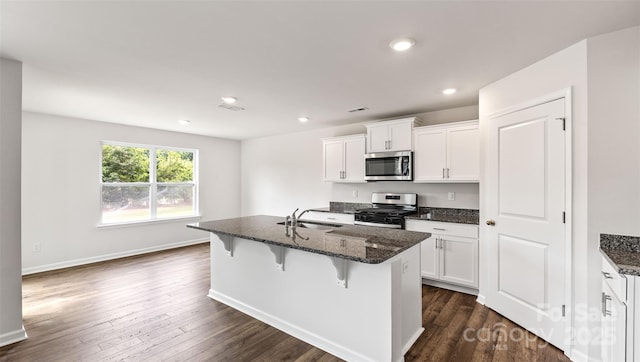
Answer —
(441, 214)
(461, 216)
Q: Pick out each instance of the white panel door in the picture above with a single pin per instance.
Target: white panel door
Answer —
(400, 136)
(377, 138)
(429, 157)
(333, 154)
(354, 159)
(459, 260)
(463, 153)
(525, 200)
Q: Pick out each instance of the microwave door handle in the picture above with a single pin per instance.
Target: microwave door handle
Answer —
(405, 166)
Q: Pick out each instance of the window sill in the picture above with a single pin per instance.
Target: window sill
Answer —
(146, 222)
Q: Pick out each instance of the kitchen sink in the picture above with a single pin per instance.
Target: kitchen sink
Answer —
(314, 225)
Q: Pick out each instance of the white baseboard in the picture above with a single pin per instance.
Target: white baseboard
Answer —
(13, 337)
(411, 341)
(303, 334)
(481, 299)
(455, 288)
(95, 259)
(578, 356)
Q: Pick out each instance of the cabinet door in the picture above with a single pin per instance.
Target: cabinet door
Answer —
(463, 149)
(400, 136)
(614, 331)
(429, 259)
(354, 160)
(377, 138)
(333, 160)
(429, 157)
(459, 260)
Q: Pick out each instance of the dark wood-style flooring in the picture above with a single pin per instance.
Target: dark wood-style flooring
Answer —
(154, 307)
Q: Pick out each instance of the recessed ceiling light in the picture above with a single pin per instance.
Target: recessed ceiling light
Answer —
(184, 122)
(229, 100)
(303, 119)
(449, 91)
(402, 44)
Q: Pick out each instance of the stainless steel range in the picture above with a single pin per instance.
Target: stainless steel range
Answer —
(388, 210)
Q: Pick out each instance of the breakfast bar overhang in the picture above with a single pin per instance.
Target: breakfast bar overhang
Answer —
(353, 291)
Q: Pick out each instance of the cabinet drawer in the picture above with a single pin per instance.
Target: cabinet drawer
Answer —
(443, 228)
(616, 282)
(329, 217)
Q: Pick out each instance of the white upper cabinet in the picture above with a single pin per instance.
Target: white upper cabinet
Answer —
(343, 159)
(390, 136)
(333, 157)
(447, 153)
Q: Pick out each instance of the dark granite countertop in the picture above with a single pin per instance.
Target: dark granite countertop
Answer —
(460, 216)
(364, 244)
(622, 251)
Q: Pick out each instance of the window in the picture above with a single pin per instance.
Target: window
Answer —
(140, 183)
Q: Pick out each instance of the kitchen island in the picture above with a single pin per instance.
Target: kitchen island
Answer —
(353, 291)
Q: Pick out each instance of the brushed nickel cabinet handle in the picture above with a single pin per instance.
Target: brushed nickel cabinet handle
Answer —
(605, 311)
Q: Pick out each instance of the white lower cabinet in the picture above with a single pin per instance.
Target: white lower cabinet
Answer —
(450, 255)
(618, 327)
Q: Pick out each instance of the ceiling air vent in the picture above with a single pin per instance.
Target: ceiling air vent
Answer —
(230, 107)
(357, 109)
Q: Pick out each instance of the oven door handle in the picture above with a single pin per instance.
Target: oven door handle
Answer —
(388, 226)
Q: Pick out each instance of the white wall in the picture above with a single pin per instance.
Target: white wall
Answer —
(281, 173)
(61, 193)
(11, 329)
(603, 74)
(614, 144)
(614, 133)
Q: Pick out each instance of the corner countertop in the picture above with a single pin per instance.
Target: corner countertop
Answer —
(365, 244)
(623, 252)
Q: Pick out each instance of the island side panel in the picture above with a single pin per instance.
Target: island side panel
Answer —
(359, 322)
(411, 297)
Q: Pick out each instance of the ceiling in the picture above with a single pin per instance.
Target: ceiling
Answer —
(151, 64)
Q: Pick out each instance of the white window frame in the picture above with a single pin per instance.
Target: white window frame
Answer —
(153, 184)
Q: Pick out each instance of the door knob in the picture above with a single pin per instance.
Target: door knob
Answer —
(491, 222)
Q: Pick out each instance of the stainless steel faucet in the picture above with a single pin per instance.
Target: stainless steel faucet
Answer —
(293, 221)
(295, 218)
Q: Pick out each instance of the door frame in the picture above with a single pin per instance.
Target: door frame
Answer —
(565, 94)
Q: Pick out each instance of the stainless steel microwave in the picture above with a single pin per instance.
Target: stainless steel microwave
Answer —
(388, 166)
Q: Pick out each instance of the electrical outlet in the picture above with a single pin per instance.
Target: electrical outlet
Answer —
(405, 267)
(452, 196)
(37, 247)
(355, 193)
